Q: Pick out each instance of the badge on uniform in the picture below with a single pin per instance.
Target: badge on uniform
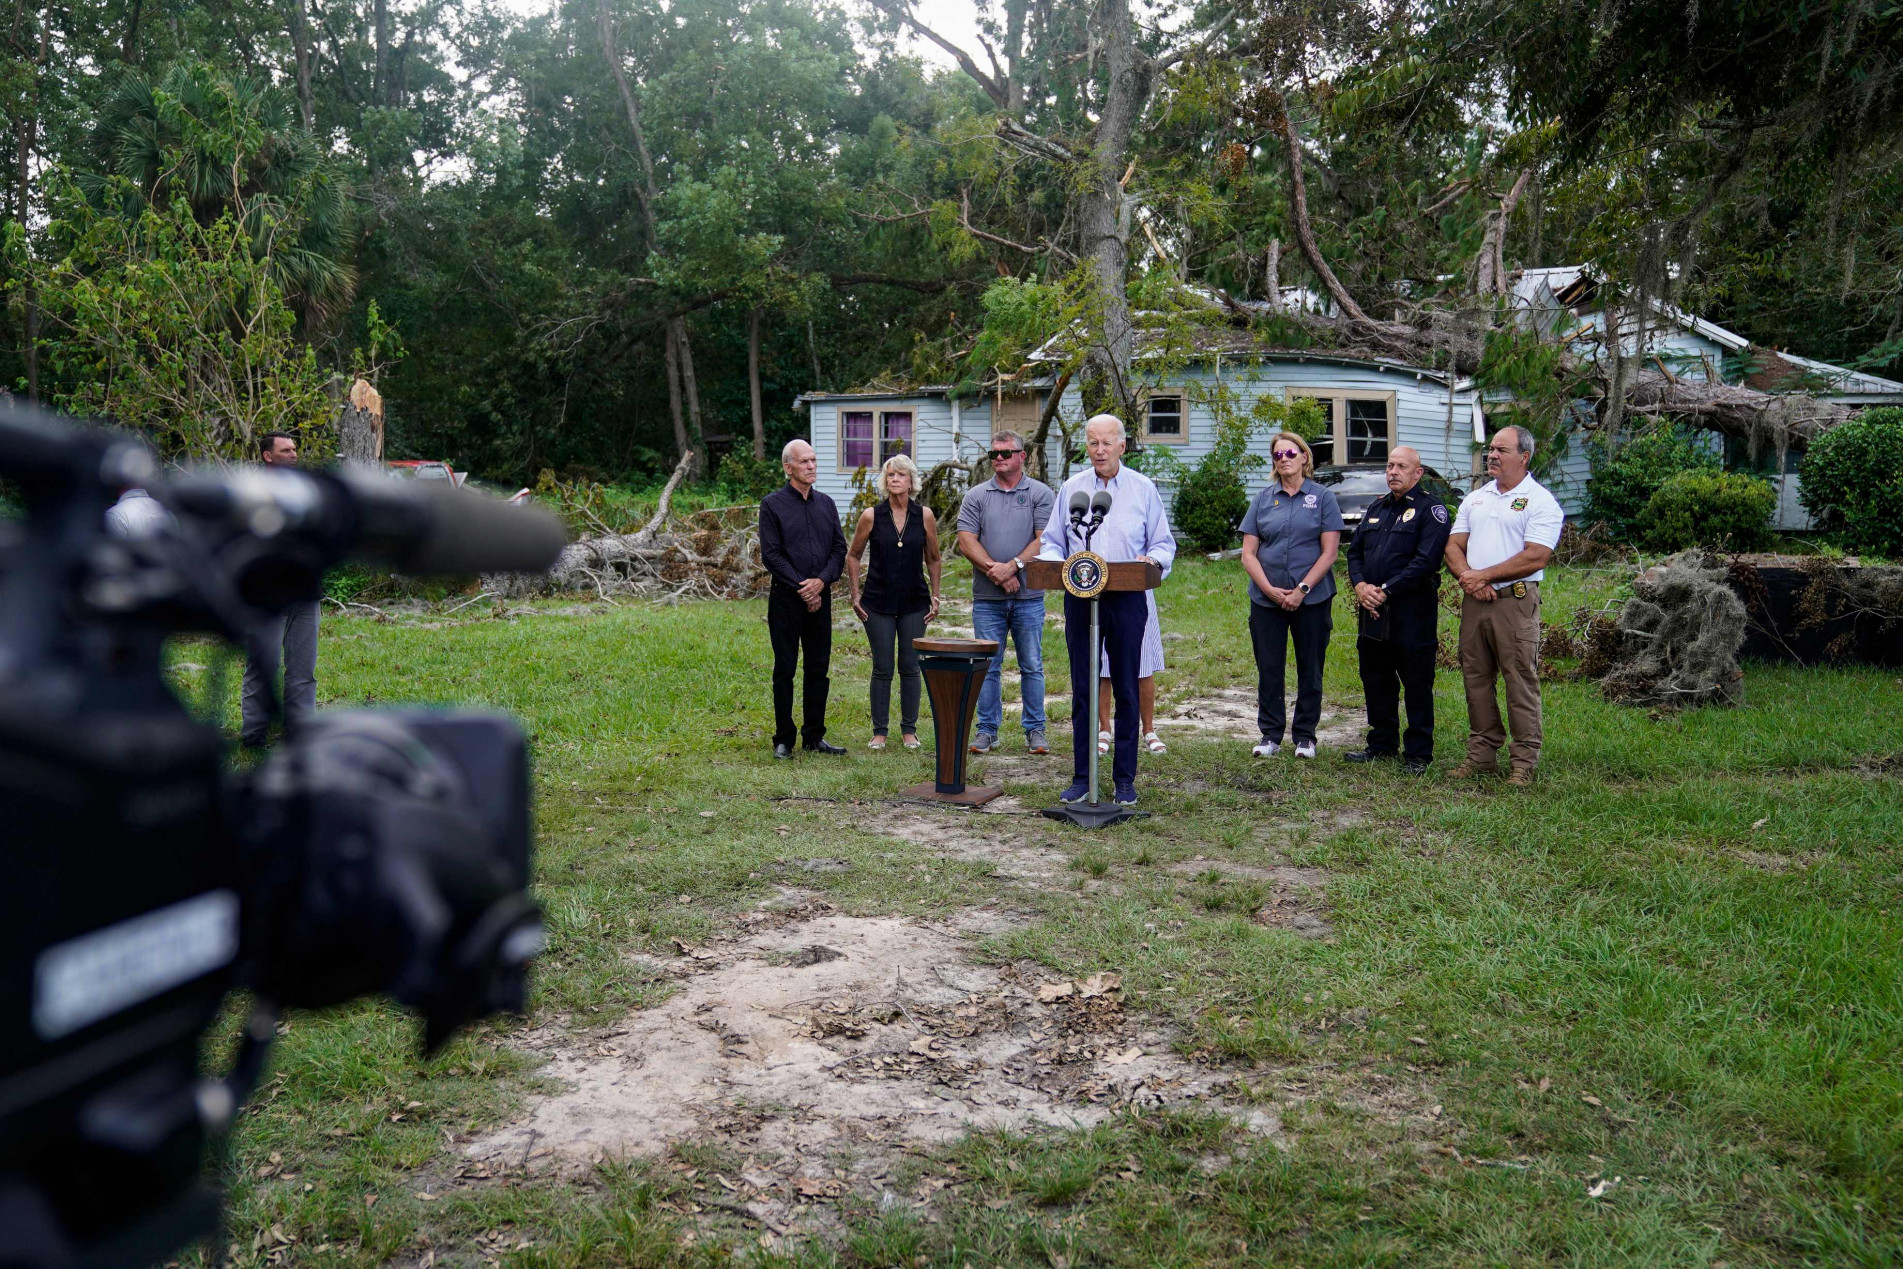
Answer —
(1519, 504)
(1407, 515)
(1308, 500)
(1020, 500)
(1440, 513)
(1373, 520)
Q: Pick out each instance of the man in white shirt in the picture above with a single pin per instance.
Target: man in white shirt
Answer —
(1136, 529)
(1503, 537)
(137, 514)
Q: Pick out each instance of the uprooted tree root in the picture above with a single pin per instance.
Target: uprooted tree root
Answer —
(1683, 628)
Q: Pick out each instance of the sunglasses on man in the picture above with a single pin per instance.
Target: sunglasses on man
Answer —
(999, 455)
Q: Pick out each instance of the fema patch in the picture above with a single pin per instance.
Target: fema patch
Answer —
(1308, 500)
(1020, 500)
(1519, 504)
(1407, 515)
(1440, 513)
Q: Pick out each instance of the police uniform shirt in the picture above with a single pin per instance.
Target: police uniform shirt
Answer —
(1399, 544)
(1501, 524)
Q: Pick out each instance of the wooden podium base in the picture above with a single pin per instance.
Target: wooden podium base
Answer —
(967, 797)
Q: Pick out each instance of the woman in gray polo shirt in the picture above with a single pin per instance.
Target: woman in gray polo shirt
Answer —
(1289, 542)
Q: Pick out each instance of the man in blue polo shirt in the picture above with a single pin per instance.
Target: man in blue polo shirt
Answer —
(998, 528)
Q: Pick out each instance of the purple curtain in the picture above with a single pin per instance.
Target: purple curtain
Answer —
(855, 438)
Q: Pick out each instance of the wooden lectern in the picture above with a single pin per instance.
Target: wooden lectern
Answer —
(954, 671)
(1087, 575)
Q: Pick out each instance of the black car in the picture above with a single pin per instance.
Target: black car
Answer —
(1358, 485)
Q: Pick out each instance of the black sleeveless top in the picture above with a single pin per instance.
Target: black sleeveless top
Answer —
(895, 567)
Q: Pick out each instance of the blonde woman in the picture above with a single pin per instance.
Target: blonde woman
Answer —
(1290, 539)
(897, 602)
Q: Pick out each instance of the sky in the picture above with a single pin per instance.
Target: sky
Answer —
(953, 19)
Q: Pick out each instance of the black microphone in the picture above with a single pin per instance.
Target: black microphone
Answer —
(1099, 506)
(1079, 507)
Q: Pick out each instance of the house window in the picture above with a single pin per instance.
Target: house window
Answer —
(855, 439)
(869, 437)
(1357, 427)
(1164, 420)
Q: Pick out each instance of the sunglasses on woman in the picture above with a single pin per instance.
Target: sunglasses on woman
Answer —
(1288, 453)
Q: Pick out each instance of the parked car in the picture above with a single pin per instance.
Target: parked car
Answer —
(424, 469)
(1357, 486)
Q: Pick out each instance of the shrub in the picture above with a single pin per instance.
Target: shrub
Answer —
(1721, 509)
(1852, 482)
(1625, 476)
(1210, 505)
(743, 477)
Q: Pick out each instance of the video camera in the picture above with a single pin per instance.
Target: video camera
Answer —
(372, 852)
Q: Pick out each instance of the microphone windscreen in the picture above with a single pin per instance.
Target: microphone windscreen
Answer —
(1079, 504)
(1100, 503)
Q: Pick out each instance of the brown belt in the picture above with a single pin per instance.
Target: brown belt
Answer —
(1520, 590)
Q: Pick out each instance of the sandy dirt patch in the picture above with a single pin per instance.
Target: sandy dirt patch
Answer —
(1004, 833)
(814, 1052)
(1232, 712)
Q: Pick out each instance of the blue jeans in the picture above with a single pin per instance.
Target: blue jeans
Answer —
(1023, 620)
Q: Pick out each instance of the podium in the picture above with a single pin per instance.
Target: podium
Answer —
(954, 671)
(1086, 575)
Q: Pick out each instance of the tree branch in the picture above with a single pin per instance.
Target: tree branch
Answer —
(1305, 233)
(902, 10)
(924, 286)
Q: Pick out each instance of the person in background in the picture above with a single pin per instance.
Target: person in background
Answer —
(804, 550)
(1152, 661)
(1137, 528)
(1503, 536)
(998, 527)
(1290, 538)
(1394, 567)
(897, 602)
(291, 637)
(137, 514)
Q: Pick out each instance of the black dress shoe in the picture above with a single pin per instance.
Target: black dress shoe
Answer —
(825, 746)
(782, 751)
(1416, 766)
(1366, 755)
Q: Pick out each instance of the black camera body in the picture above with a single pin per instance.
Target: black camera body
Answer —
(141, 882)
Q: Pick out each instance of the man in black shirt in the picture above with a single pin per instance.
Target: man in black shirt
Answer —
(1394, 564)
(804, 549)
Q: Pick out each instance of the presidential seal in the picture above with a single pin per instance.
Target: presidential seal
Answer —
(1086, 574)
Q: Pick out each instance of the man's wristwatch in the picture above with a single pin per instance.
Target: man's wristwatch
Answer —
(1019, 561)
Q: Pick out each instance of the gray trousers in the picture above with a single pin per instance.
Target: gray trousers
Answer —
(295, 636)
(887, 633)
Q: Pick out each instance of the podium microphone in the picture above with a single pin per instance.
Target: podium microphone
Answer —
(1079, 507)
(1099, 506)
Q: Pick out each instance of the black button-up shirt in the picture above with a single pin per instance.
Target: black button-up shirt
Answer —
(801, 537)
(1400, 543)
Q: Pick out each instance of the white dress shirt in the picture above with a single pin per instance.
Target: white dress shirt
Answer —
(1136, 526)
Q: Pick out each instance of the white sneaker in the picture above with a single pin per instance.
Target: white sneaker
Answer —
(1306, 750)
(1103, 741)
(1267, 749)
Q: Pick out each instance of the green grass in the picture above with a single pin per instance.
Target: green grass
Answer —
(1693, 920)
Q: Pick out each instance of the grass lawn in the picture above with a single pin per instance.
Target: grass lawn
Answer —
(1649, 1012)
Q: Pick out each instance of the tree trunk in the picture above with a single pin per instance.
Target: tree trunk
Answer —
(1490, 267)
(812, 348)
(1305, 233)
(301, 47)
(360, 425)
(24, 131)
(129, 42)
(1014, 55)
(690, 388)
(379, 71)
(1104, 212)
(1272, 284)
(1035, 447)
(753, 383)
(681, 447)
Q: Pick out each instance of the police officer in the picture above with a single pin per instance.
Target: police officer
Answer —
(1394, 565)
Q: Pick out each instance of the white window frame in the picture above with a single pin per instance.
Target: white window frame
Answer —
(1182, 401)
(1338, 424)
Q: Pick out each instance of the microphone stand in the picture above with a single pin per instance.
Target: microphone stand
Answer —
(1096, 651)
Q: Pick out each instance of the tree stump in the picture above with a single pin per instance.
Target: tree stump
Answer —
(360, 425)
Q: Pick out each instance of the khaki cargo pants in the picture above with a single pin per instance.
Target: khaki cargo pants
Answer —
(1502, 639)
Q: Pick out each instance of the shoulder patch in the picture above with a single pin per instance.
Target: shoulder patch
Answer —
(1440, 513)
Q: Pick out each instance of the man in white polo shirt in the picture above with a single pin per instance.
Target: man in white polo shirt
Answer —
(1503, 536)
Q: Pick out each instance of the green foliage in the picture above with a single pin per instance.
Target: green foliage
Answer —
(1209, 506)
(741, 476)
(1535, 371)
(1726, 510)
(1020, 316)
(1852, 482)
(1626, 474)
(179, 330)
